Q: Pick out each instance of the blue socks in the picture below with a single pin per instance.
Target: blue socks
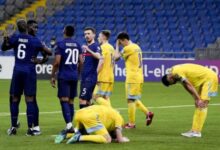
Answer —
(14, 109)
(36, 113)
(66, 111)
(30, 113)
(71, 106)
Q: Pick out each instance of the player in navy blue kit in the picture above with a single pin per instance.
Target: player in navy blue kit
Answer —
(92, 55)
(32, 26)
(68, 59)
(24, 74)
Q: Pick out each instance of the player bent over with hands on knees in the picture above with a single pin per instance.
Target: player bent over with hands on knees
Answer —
(201, 83)
(102, 124)
(68, 59)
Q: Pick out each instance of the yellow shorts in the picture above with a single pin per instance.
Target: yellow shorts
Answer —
(104, 88)
(133, 90)
(208, 89)
(90, 121)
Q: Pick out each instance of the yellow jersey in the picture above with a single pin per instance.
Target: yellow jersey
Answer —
(132, 55)
(195, 74)
(108, 116)
(106, 74)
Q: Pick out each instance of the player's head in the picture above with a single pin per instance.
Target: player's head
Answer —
(168, 80)
(69, 31)
(123, 38)
(22, 26)
(32, 27)
(89, 34)
(104, 36)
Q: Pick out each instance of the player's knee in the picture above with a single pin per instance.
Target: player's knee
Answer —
(64, 99)
(29, 98)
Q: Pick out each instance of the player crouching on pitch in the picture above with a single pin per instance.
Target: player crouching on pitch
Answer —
(201, 83)
(99, 122)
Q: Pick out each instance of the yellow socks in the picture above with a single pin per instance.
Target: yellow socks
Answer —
(102, 101)
(199, 119)
(131, 112)
(141, 106)
(93, 138)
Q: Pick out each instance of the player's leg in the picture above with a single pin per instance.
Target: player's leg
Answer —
(73, 94)
(102, 93)
(86, 91)
(36, 127)
(30, 91)
(16, 90)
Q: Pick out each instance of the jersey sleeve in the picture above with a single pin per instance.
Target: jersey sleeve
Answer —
(12, 40)
(178, 73)
(126, 52)
(38, 44)
(118, 120)
(79, 48)
(97, 49)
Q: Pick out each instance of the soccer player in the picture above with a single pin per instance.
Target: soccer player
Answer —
(32, 26)
(134, 77)
(99, 122)
(68, 56)
(92, 55)
(24, 75)
(104, 86)
(201, 83)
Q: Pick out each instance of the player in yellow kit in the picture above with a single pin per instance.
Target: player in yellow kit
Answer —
(134, 77)
(105, 83)
(201, 83)
(98, 121)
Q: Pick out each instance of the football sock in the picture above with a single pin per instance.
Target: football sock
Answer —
(69, 125)
(14, 109)
(199, 119)
(83, 105)
(141, 106)
(36, 113)
(93, 138)
(66, 111)
(131, 112)
(30, 113)
(71, 106)
(102, 101)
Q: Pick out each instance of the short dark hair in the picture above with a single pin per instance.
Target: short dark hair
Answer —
(123, 36)
(69, 30)
(31, 21)
(91, 29)
(22, 25)
(165, 81)
(106, 33)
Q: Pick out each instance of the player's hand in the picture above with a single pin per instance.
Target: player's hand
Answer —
(35, 60)
(123, 140)
(85, 48)
(117, 43)
(200, 104)
(53, 82)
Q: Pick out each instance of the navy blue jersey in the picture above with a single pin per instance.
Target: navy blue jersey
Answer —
(89, 71)
(25, 48)
(69, 51)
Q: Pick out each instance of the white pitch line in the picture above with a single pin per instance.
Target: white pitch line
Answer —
(5, 114)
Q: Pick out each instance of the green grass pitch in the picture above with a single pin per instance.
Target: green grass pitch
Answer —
(163, 134)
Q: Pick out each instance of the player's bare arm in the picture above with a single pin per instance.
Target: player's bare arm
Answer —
(119, 136)
(117, 54)
(54, 70)
(5, 45)
(94, 54)
(100, 65)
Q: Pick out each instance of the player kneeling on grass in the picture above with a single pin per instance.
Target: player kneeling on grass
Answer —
(201, 83)
(105, 70)
(99, 122)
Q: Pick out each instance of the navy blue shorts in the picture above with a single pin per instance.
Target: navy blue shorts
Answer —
(23, 82)
(86, 90)
(67, 88)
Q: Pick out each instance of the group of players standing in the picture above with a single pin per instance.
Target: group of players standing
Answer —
(93, 64)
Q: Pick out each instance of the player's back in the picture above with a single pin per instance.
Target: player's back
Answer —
(106, 74)
(25, 47)
(69, 50)
(89, 71)
(196, 74)
(133, 63)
